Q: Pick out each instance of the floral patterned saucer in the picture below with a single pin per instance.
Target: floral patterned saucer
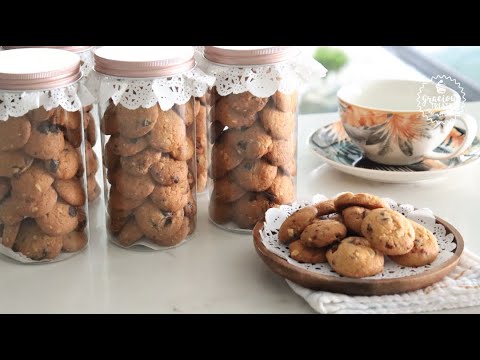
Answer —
(333, 145)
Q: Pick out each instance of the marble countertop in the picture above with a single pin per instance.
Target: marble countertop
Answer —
(216, 271)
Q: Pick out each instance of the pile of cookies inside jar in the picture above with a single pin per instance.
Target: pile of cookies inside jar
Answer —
(252, 134)
(43, 212)
(149, 146)
(353, 233)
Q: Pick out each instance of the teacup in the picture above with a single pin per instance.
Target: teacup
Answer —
(396, 122)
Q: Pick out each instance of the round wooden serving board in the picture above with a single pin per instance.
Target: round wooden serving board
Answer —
(364, 286)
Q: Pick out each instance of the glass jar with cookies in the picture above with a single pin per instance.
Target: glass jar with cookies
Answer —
(90, 129)
(43, 202)
(252, 117)
(146, 98)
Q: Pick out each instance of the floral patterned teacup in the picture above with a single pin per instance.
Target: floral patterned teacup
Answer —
(393, 124)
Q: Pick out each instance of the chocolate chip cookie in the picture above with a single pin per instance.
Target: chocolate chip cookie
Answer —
(159, 226)
(139, 164)
(14, 163)
(15, 133)
(225, 190)
(168, 171)
(306, 254)
(293, 226)
(46, 141)
(388, 231)
(60, 220)
(255, 175)
(368, 201)
(353, 217)
(66, 164)
(286, 102)
(74, 241)
(281, 125)
(282, 190)
(425, 248)
(171, 198)
(354, 257)
(129, 234)
(35, 244)
(169, 132)
(134, 187)
(250, 209)
(322, 233)
(136, 123)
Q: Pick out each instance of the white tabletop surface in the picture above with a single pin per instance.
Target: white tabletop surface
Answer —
(217, 271)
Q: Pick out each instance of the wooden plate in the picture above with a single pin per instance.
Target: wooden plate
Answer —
(365, 286)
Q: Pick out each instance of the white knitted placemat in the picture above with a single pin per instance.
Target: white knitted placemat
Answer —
(461, 288)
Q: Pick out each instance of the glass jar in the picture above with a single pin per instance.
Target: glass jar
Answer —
(43, 207)
(147, 111)
(252, 119)
(90, 128)
(201, 143)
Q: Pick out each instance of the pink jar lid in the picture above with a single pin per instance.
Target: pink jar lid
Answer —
(249, 55)
(75, 49)
(144, 61)
(38, 68)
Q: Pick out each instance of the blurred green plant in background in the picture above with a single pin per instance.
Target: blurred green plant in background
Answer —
(332, 58)
(321, 96)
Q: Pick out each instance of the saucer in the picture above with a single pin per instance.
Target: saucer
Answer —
(332, 144)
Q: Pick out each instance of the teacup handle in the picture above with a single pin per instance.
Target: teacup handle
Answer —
(470, 134)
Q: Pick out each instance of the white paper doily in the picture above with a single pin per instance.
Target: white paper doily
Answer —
(145, 242)
(263, 80)
(71, 98)
(134, 93)
(26, 260)
(275, 217)
(87, 61)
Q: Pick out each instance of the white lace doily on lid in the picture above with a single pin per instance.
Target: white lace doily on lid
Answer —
(275, 217)
(143, 76)
(35, 77)
(261, 70)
